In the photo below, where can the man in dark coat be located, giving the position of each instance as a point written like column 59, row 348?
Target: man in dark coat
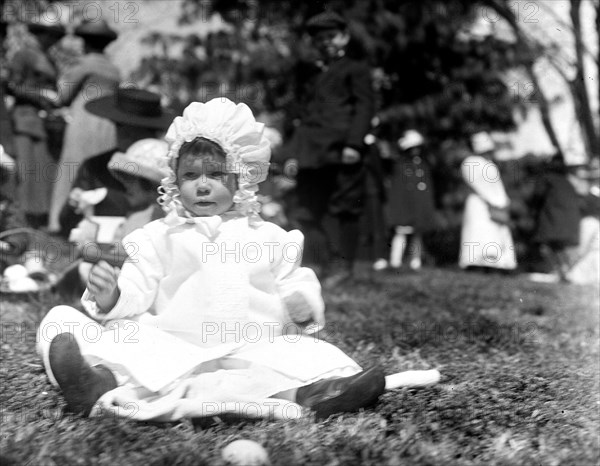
column 335, row 98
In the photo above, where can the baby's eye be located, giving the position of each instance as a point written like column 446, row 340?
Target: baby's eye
column 217, row 174
column 190, row 175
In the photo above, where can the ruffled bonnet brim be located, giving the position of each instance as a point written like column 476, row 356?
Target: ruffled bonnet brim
column 234, row 128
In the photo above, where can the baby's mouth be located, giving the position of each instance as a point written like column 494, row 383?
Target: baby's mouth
column 204, row 203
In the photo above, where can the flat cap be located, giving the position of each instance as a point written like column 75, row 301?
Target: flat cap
column 325, row 21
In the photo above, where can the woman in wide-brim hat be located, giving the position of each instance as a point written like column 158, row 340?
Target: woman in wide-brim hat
column 92, row 76
column 138, row 115
column 32, row 81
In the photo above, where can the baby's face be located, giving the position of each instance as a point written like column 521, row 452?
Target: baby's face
column 205, row 187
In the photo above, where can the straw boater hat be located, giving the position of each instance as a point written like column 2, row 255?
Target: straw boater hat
column 242, row 138
column 96, row 31
column 146, row 158
column 134, row 107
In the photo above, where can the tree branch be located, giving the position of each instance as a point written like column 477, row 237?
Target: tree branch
column 564, row 24
column 592, row 140
column 597, row 8
column 503, row 10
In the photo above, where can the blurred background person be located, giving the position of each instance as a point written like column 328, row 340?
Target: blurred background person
column 11, row 216
column 138, row 114
column 557, row 208
column 6, row 131
column 140, row 169
column 335, row 100
column 32, row 82
column 585, row 263
column 93, row 75
column 410, row 207
column 374, row 224
column 486, row 240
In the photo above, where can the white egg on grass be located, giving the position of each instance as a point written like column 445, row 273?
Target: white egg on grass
column 14, row 272
column 245, row 453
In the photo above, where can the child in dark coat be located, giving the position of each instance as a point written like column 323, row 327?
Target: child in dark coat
column 558, row 216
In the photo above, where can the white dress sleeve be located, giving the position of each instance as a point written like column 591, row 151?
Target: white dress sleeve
column 298, row 286
column 138, row 280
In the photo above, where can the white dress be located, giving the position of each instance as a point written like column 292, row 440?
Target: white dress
column 93, row 76
column 484, row 243
column 203, row 322
column 586, row 270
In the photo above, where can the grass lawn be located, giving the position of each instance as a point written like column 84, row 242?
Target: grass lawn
column 520, row 384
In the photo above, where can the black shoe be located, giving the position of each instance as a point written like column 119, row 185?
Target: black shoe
column 81, row 384
column 345, row 394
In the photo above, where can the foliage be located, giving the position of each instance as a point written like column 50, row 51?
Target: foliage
column 431, row 74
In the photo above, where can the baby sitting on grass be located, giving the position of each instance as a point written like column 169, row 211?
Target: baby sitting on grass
column 213, row 312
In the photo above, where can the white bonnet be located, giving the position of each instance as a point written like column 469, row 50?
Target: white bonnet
column 482, row 142
column 234, row 128
column 411, row 138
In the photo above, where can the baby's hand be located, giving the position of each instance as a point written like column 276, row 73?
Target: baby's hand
column 298, row 308
column 102, row 283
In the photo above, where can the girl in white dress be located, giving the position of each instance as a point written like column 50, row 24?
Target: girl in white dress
column 212, row 312
column 486, row 240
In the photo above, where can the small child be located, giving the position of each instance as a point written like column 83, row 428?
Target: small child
column 556, row 203
column 212, row 308
column 140, row 169
column 411, row 208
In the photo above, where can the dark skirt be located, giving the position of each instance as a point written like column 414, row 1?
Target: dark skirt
column 36, row 168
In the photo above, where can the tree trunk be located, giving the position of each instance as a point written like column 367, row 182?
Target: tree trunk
column 597, row 4
column 544, row 107
column 582, row 100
